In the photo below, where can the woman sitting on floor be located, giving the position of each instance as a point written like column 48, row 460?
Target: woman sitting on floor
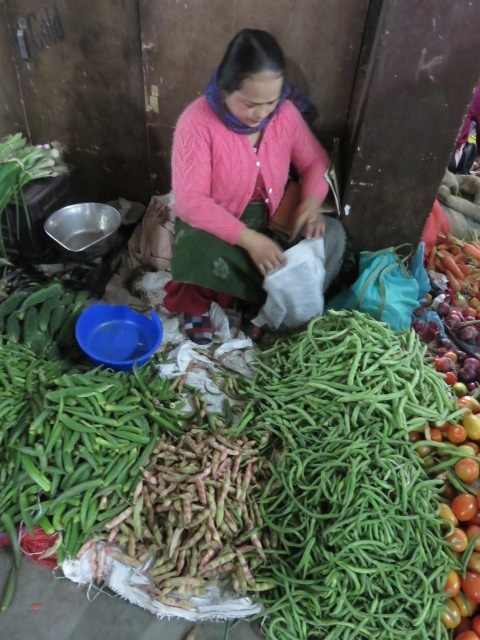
column 232, row 152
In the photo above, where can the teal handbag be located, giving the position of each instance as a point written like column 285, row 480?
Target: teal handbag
column 384, row 289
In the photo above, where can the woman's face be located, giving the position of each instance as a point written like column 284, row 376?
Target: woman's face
column 257, row 97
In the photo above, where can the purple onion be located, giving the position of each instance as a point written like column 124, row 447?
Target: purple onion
column 441, row 351
column 452, row 322
column 472, row 363
column 473, row 386
column 461, row 355
column 469, row 334
column 418, row 325
column 443, row 308
column 465, row 374
column 445, row 343
column 470, row 319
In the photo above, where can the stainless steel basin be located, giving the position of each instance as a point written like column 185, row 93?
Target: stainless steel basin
column 88, row 228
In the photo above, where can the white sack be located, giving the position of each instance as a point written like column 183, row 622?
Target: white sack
column 295, row 292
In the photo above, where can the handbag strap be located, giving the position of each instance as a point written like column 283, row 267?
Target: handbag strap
column 371, row 277
column 402, row 261
column 394, row 251
column 379, row 274
column 383, row 292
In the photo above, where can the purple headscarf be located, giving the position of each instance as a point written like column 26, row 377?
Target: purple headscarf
column 215, row 100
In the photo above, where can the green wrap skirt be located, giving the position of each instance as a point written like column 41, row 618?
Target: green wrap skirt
column 201, row 258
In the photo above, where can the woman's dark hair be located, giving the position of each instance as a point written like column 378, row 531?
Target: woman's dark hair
column 249, row 52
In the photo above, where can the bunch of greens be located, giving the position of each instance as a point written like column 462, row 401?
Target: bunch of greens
column 20, row 163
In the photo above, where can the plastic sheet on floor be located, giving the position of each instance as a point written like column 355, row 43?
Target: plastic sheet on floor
column 218, row 603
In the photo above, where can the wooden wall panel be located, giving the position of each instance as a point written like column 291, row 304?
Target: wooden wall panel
column 183, row 42
column 85, row 88
column 412, row 94
column 12, row 118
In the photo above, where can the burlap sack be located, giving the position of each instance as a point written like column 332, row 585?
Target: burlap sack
column 151, row 243
column 461, row 193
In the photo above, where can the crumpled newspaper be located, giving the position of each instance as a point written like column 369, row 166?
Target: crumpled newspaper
column 198, row 368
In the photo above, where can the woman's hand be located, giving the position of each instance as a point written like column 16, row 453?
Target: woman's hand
column 310, row 218
column 266, row 255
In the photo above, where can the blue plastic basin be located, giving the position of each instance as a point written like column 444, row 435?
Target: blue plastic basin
column 118, row 337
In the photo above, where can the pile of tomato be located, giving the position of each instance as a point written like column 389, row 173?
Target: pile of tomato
column 460, row 510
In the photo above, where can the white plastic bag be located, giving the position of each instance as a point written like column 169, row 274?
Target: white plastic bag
column 295, row 292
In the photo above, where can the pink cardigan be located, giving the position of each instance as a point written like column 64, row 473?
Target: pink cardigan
column 214, row 170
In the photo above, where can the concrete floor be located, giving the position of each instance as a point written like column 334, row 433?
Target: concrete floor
column 49, row 608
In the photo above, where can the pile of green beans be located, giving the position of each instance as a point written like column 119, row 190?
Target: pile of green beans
column 72, row 443
column 360, row 549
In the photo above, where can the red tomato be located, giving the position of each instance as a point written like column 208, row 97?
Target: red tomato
column 415, row 436
column 429, row 461
column 475, row 519
column 472, row 403
column 474, row 562
column 466, row 606
column 436, row 434
column 472, row 531
column 450, row 377
column 466, row 449
column 442, row 364
column 450, row 614
column 471, row 585
column 451, row 355
column 456, row 433
column 447, row 514
column 471, row 423
column 423, row 450
column 442, row 427
column 467, row 469
column 464, row 506
column 476, row 624
column 457, row 540
column 467, row 635
column 472, row 445
column 460, row 389
column 452, row 585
